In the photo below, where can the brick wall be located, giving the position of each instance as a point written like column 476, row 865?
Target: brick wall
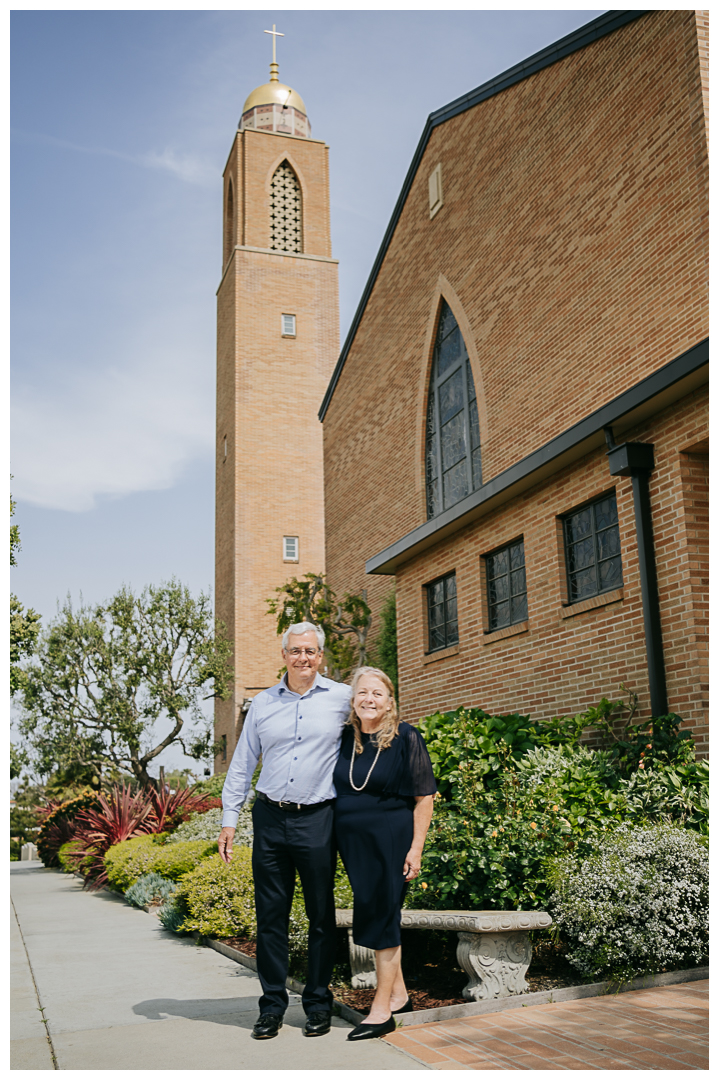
column 572, row 248
column 566, row 658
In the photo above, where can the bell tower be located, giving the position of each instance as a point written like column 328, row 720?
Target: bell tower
column 277, row 343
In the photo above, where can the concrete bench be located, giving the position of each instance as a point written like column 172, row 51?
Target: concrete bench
column 493, row 949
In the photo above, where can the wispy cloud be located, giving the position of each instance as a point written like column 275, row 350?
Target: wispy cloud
column 187, row 167
column 117, row 431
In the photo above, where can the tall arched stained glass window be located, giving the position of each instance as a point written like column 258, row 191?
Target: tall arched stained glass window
column 452, row 439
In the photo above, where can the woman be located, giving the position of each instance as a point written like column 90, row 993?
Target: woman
column 385, row 787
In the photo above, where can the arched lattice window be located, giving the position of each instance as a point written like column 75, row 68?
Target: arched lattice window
column 285, row 210
column 452, row 439
column 229, row 222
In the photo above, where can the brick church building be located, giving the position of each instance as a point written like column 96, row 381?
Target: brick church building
column 516, row 431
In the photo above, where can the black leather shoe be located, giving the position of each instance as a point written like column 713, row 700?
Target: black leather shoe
column 372, row 1031
column 407, row 1007
column 267, row 1026
column 317, row 1023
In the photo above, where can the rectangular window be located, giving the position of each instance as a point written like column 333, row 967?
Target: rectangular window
column 506, row 586
column 291, row 548
column 287, row 323
column 592, row 549
column 442, row 613
column 223, row 752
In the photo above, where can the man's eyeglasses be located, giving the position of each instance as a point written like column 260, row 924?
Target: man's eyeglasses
column 300, row 652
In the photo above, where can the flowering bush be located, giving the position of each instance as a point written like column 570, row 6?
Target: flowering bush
column 150, row 889
column 207, row 827
column 131, row 859
column 636, row 904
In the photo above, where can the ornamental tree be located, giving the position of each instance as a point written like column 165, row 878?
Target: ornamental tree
column 346, row 622
column 106, row 675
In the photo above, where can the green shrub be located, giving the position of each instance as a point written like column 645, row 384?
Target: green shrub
column 69, row 865
column 150, row 889
column 212, row 786
column 635, row 905
column 219, row 897
column 129, row 860
column 679, row 794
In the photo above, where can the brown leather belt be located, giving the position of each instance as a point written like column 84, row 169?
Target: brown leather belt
column 292, row 807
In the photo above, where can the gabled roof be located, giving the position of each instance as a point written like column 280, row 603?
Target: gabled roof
column 585, row 35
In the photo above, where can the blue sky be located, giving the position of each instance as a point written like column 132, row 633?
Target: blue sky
column 121, row 126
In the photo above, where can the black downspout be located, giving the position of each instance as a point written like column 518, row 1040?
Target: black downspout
column 637, row 461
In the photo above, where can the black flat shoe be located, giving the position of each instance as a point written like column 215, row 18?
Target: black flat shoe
column 372, row 1031
column 407, row 1007
column 267, row 1026
column 317, row 1023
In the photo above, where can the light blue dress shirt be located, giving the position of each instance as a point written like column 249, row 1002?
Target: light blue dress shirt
column 299, row 739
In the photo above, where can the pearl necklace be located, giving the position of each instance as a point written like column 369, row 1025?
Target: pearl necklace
column 352, row 763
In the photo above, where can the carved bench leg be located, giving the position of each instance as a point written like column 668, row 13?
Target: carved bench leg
column 495, row 964
column 362, row 965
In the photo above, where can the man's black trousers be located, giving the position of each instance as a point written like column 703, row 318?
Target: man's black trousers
column 284, row 842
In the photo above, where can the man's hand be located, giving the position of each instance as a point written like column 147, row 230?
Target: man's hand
column 225, row 843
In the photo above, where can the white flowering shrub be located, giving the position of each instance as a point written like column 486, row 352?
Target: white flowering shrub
column 637, row 905
column 207, row 827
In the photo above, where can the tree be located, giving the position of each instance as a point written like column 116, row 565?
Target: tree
column 24, row 625
column 106, row 674
column 312, row 600
column 385, row 651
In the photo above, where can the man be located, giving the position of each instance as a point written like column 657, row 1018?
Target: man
column 296, row 726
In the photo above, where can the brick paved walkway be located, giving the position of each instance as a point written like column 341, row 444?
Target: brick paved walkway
column 662, row 1028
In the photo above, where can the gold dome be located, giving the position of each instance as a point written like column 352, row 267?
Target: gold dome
column 275, row 93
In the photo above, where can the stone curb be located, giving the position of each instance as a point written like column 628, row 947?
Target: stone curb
column 480, row 1008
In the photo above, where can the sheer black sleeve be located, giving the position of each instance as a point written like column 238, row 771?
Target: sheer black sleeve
column 416, row 777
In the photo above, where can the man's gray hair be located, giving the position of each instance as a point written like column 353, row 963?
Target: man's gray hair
column 305, row 628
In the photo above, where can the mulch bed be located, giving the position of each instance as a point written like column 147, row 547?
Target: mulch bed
column 431, row 970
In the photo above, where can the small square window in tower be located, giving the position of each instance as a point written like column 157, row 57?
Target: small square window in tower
column 442, row 613
column 287, row 325
column 291, row 548
column 506, row 586
column 592, row 549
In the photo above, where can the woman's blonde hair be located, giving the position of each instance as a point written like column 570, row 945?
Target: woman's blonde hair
column 389, row 727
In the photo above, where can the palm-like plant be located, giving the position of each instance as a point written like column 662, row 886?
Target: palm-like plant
column 171, row 808
column 118, row 816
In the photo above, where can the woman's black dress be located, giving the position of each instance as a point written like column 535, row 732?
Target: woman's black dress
column 374, row 828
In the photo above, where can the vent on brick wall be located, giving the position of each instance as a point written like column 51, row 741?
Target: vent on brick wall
column 285, row 210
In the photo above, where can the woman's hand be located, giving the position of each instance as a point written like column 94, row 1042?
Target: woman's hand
column 411, row 869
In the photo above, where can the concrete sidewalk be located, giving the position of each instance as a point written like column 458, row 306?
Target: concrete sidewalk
column 117, row 991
